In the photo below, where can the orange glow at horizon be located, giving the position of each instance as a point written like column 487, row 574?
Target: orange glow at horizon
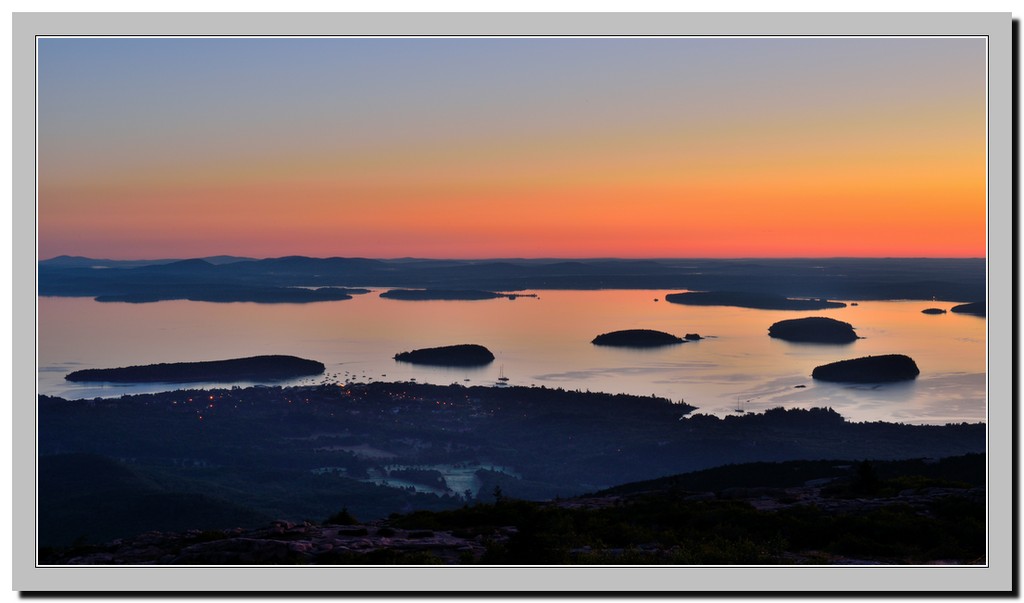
column 780, row 154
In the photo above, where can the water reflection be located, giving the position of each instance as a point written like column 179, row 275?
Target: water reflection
column 542, row 341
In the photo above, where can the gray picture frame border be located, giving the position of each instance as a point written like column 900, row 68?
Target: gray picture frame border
column 994, row 577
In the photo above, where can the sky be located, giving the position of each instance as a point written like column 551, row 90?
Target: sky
column 511, row 147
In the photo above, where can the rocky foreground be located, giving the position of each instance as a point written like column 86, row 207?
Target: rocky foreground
column 380, row 543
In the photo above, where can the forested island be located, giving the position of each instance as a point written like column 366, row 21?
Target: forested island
column 467, row 354
column 813, row 329
column 869, row 369
column 739, row 299
column 254, row 368
column 637, row 338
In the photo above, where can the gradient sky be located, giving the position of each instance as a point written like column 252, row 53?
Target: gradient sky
column 490, row 147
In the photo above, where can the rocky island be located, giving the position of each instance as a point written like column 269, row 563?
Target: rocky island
column 453, row 355
column 255, row 368
column 869, row 369
column 637, row 338
column 814, row 329
column 933, row 311
column 759, row 301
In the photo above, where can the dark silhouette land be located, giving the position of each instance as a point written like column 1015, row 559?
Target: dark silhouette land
column 453, row 355
column 255, row 368
column 245, row 279
column 974, row 308
column 814, row 329
column 406, row 473
column 869, row 369
column 637, row 338
column 741, row 299
column 825, row 512
column 439, row 294
column 240, row 457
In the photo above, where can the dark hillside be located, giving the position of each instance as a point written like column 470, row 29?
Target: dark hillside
column 863, row 513
column 88, row 498
column 304, row 453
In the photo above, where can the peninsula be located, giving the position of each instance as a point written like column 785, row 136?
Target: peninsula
column 973, row 308
column 255, row 368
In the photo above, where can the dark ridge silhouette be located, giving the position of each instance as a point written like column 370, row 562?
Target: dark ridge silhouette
column 973, row 308
column 193, row 266
column 467, row 354
column 760, row 301
column 255, row 368
column 92, row 498
column 815, row 278
column 968, row 470
column 814, row 329
column 439, row 294
column 869, row 369
column 77, row 261
column 693, row 337
column 637, row 338
column 227, row 294
column 933, row 311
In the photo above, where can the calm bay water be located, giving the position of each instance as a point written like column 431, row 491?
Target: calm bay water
column 541, row 341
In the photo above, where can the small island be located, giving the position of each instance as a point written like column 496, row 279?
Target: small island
column 814, row 329
column 637, row 338
column 453, row 355
column 869, row 369
column 973, row 308
column 933, row 311
column 440, row 294
column 759, row 301
column 255, row 368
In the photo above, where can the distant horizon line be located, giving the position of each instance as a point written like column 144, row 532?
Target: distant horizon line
column 516, row 258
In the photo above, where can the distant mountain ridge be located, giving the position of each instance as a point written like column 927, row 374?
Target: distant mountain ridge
column 85, row 262
column 836, row 278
